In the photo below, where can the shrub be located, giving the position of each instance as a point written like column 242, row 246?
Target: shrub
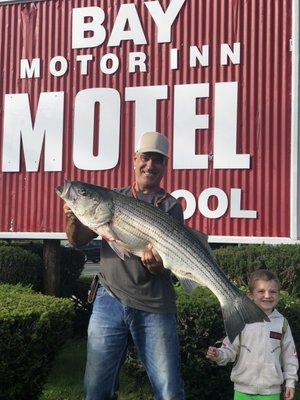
column 32, row 327
column 200, row 325
column 19, row 265
column 289, row 306
column 82, row 307
column 71, row 265
column 239, row 262
column 35, row 247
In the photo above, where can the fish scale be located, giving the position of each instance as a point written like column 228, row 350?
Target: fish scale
column 133, row 224
column 155, row 238
column 152, row 219
column 145, row 211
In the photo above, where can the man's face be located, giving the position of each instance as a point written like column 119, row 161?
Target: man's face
column 265, row 295
column 149, row 169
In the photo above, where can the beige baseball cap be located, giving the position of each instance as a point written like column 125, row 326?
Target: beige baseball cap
column 153, row 142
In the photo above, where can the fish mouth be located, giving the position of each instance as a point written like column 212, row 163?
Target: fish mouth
column 62, row 190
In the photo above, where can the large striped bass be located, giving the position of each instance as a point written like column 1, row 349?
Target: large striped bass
column 130, row 226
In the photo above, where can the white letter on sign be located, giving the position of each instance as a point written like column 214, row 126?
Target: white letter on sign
column 204, row 199
column 58, row 66
column 145, row 98
column 137, row 59
column 79, row 27
column 234, row 55
column 127, row 14
column 30, row 71
column 189, row 199
column 201, row 56
column 111, row 59
column 225, row 134
column 164, row 20
column 185, row 124
column 84, row 60
column 235, row 209
column 48, row 124
column 109, row 129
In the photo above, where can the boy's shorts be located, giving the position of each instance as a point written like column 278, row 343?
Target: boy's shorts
column 245, row 396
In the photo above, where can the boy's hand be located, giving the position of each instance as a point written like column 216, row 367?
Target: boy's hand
column 212, row 353
column 289, row 393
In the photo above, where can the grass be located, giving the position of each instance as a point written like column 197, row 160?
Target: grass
column 66, row 377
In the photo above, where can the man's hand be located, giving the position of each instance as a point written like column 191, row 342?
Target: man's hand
column 152, row 260
column 77, row 233
column 289, row 393
column 68, row 212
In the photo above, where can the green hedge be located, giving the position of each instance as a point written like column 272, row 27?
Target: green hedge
column 83, row 309
column 239, row 261
column 22, row 262
column 71, row 266
column 32, row 327
column 200, row 325
column 19, row 265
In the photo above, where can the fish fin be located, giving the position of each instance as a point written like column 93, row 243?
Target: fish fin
column 119, row 248
column 106, row 232
column 187, row 284
column 238, row 313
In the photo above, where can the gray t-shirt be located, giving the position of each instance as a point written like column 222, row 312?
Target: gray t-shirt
column 129, row 281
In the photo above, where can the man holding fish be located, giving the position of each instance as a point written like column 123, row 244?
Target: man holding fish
column 132, row 227
column 136, row 296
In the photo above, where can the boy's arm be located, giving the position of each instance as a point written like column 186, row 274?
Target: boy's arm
column 227, row 352
column 289, row 393
column 289, row 359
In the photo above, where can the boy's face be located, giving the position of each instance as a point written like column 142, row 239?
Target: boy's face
column 265, row 295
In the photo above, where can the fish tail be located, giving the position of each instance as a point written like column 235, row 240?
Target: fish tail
column 238, row 312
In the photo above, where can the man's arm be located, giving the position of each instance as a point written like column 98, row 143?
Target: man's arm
column 77, row 233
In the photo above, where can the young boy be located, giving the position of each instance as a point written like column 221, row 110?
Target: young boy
column 264, row 353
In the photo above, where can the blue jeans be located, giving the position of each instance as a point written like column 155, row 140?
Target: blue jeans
column 154, row 335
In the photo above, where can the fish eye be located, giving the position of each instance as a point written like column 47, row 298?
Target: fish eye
column 82, row 192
